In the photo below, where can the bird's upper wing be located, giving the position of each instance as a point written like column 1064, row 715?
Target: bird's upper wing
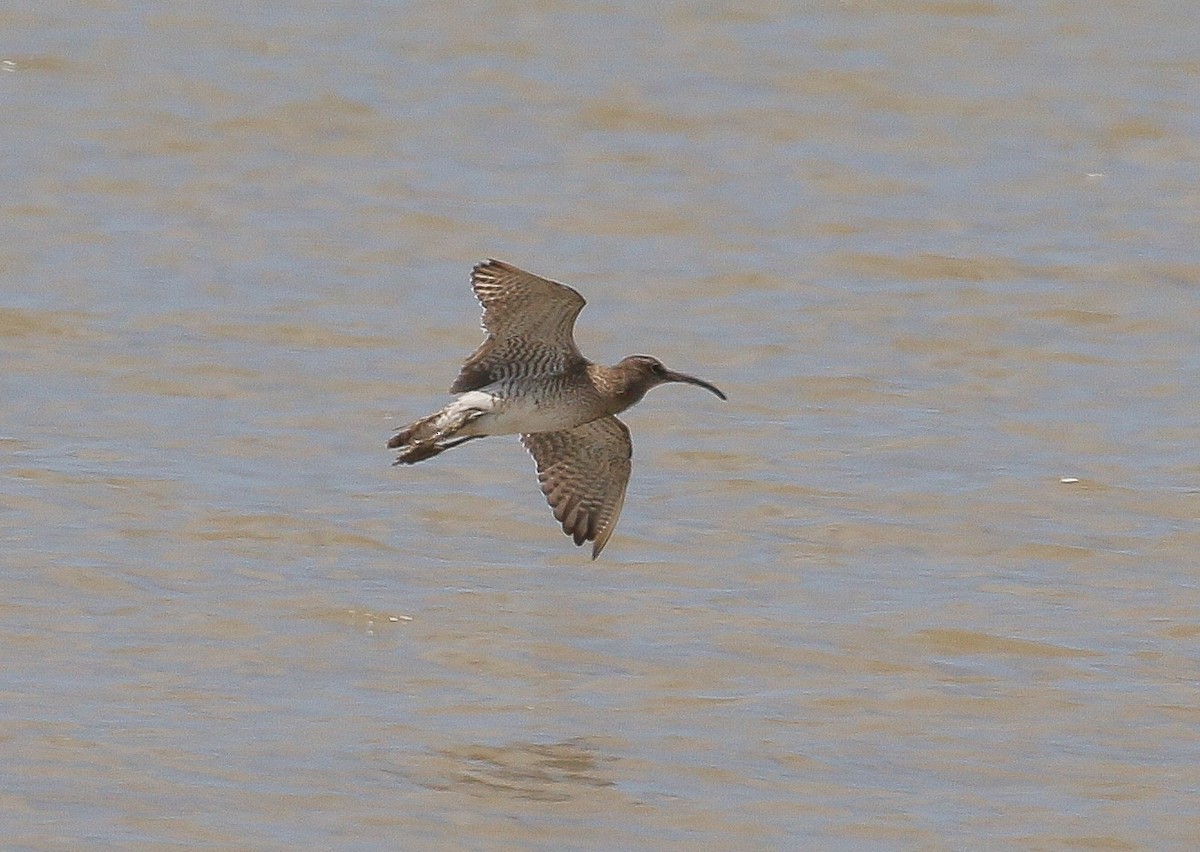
column 530, row 323
column 583, row 473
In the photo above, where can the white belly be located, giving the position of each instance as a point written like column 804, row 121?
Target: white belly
column 503, row 414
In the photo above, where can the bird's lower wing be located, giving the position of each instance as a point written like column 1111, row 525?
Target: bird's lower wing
column 583, row 473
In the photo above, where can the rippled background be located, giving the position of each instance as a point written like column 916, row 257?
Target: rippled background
column 928, row 579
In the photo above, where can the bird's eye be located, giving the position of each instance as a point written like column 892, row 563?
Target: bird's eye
column 658, row 368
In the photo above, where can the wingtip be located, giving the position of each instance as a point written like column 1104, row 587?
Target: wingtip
column 600, row 542
column 491, row 261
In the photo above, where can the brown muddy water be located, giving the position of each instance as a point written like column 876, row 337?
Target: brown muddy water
column 928, row 580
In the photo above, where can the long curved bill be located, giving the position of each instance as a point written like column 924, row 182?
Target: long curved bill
column 672, row 376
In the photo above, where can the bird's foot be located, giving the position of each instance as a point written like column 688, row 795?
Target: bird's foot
column 414, row 453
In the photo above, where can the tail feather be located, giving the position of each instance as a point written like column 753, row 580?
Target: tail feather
column 417, row 432
column 425, row 438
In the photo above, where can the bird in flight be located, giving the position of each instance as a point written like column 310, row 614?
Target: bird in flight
column 529, row 378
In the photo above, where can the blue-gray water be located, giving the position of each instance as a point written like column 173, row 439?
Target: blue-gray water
column 928, row 580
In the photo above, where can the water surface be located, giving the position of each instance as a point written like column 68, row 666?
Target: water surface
column 927, row 580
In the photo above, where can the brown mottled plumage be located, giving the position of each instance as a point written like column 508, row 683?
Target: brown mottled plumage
column 530, row 324
column 529, row 377
column 583, row 473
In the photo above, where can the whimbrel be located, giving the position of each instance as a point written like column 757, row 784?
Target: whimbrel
column 529, row 378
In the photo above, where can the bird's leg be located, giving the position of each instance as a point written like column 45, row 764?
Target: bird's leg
column 419, row 452
column 459, row 441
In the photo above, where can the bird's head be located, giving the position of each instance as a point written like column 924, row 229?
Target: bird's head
column 640, row 373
